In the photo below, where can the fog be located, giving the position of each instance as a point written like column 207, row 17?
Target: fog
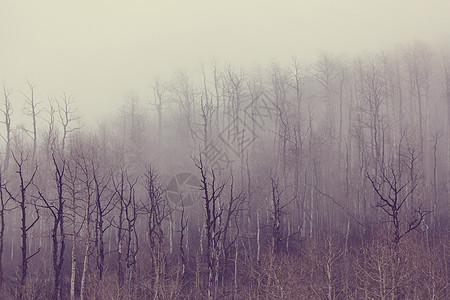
column 224, row 150
column 98, row 50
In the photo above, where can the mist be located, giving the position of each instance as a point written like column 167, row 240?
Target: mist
column 97, row 51
column 235, row 150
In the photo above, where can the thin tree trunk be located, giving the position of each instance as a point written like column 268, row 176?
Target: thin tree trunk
column 86, row 242
column 2, row 230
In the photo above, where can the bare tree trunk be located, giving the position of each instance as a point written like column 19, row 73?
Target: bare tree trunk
column 258, row 237
column 120, row 191
column 3, row 204
column 60, row 219
column 71, row 183
column 67, row 116
column 57, row 211
column 87, row 221
column 159, row 101
column 171, row 221
column 73, row 259
column 236, row 253
column 22, row 202
column 447, row 93
column 183, row 225
column 7, row 111
column 32, row 111
column 86, row 255
column 436, row 138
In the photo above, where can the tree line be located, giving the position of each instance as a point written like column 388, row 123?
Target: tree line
column 323, row 180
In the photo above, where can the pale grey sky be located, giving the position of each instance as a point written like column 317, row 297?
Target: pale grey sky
column 97, row 50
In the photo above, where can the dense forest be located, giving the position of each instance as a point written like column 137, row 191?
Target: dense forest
column 307, row 180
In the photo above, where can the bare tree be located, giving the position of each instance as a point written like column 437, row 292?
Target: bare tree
column 211, row 193
column 220, row 216
column 127, row 238
column 207, row 110
column 183, row 225
column 83, row 158
column 326, row 73
column 72, row 182
column 21, row 198
column 157, row 210
column 447, row 95
column 32, row 110
column 371, row 93
column 418, row 60
column 185, row 96
column 51, row 134
column 390, row 187
column 131, row 235
column 56, row 208
column 276, row 218
column 7, row 111
column 159, row 92
column 67, row 116
column 3, row 209
column 103, row 207
column 277, row 211
column 120, row 191
column 230, row 231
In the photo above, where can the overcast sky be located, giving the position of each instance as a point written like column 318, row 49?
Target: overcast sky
column 97, row 50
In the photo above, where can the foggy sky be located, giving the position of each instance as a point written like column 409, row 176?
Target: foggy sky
column 97, row 50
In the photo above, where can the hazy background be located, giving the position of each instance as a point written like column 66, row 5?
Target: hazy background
column 97, row 50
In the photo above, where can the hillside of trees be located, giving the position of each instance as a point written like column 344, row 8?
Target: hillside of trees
column 321, row 180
